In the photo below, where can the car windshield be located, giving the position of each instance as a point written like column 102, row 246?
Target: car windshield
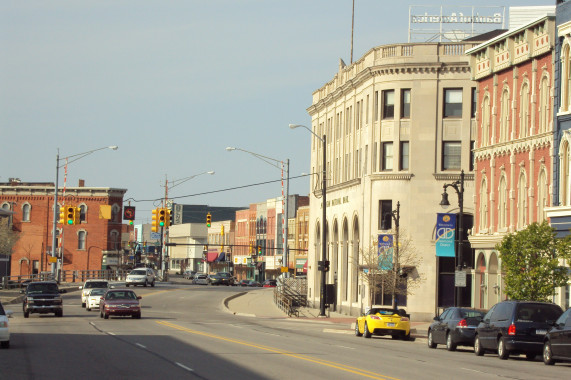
column 95, row 284
column 42, row 288
column 124, row 295
column 225, row 275
column 537, row 312
column 139, row 272
column 97, row 292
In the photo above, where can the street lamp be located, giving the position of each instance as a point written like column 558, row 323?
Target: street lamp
column 459, row 259
column 277, row 164
column 323, row 206
column 74, row 157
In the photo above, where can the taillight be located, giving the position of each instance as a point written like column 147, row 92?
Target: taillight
column 404, row 319
column 511, row 329
column 375, row 317
column 462, row 323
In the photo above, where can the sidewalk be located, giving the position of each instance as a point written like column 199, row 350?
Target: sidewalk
column 260, row 303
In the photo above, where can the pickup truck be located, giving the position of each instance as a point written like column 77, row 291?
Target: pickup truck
column 42, row 297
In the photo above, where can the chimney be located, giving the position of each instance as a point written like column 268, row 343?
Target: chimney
column 81, row 183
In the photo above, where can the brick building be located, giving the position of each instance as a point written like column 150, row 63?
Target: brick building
column 84, row 246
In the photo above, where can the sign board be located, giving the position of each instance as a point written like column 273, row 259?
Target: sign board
column 52, row 259
column 460, row 279
column 155, row 236
column 445, row 235
column 285, row 269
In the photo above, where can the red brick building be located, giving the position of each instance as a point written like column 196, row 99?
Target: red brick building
column 84, row 246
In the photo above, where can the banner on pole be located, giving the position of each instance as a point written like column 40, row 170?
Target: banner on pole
column 385, row 252
column 445, row 235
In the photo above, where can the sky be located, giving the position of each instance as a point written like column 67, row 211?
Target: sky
column 173, row 83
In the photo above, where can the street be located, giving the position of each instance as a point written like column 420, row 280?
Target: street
column 186, row 333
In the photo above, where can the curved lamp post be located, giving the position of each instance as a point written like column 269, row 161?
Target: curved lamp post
column 324, row 209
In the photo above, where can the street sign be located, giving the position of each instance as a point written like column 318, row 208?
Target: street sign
column 155, row 235
column 460, row 279
column 52, row 259
column 285, row 269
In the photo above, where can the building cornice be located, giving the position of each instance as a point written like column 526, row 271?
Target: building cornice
column 543, row 140
column 485, row 241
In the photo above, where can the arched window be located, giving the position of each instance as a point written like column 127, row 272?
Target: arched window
column 26, row 208
column 485, row 121
column 564, row 158
column 544, row 115
column 504, row 116
column 524, row 111
column 115, row 213
column 484, row 204
column 521, row 201
column 81, row 235
column 541, row 195
column 502, row 203
column 565, row 78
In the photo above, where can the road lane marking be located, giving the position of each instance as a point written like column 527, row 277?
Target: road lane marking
column 140, row 345
column 323, row 362
column 349, row 348
column 183, row 366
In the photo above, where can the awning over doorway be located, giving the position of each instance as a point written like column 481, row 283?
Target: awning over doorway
column 221, row 257
column 212, row 256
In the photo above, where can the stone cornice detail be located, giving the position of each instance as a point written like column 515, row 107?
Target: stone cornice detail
column 485, row 241
column 453, row 176
column 391, row 176
column 507, row 148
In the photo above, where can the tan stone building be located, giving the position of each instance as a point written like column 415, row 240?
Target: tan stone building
column 399, row 124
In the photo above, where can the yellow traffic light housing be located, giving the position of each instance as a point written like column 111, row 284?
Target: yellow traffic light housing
column 162, row 217
column 259, row 250
column 62, row 215
column 77, row 215
column 70, row 215
column 208, row 220
column 168, row 218
column 155, row 220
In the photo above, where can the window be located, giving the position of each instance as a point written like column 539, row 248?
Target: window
column 376, row 105
column 504, row 115
column 565, row 79
column 524, row 113
column 484, row 204
column 405, row 104
column 544, row 105
column 453, row 102
column 565, row 157
column 385, row 214
column 472, row 155
column 502, row 203
column 474, row 103
column 451, row 155
column 521, row 201
column 541, row 196
column 485, row 121
column 387, row 163
column 82, row 213
column 81, row 240
column 403, row 158
column 26, row 212
column 388, row 104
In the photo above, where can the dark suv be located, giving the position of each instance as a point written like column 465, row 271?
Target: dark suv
column 515, row 327
column 42, row 297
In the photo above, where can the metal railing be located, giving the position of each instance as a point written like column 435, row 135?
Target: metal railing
column 290, row 295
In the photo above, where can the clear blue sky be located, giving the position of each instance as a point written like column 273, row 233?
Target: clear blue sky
column 173, row 83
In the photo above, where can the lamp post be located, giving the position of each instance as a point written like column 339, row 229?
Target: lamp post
column 276, row 163
column 54, row 229
column 459, row 259
column 324, row 216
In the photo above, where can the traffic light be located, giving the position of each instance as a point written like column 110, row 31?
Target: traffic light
column 208, row 220
column 326, row 266
column 250, row 250
column 62, row 215
column 70, row 215
column 162, row 217
column 259, row 250
column 169, row 217
column 155, row 220
column 129, row 214
column 320, row 265
column 77, row 215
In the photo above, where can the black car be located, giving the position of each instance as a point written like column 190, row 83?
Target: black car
column 515, row 327
column 42, row 297
column 454, row 327
column 557, row 343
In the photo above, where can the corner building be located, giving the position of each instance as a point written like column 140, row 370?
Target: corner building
column 399, row 124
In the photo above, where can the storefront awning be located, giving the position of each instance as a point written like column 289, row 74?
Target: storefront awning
column 212, row 256
column 221, row 257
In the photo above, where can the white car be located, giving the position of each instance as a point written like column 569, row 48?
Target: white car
column 90, row 284
column 4, row 330
column 141, row 276
column 201, row 279
column 93, row 298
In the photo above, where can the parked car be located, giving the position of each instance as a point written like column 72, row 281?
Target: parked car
column 515, row 327
column 215, row 279
column 454, row 327
column 141, row 276
column 4, row 327
column 244, row 282
column 384, row 321
column 557, row 342
column 189, row 274
column 227, row 278
column 93, row 298
column 42, row 297
column 254, row 284
column 270, row 284
column 90, row 284
column 120, row 302
column 200, row 279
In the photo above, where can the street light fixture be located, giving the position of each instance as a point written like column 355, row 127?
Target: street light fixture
column 458, row 186
column 74, row 157
column 324, row 216
column 277, row 164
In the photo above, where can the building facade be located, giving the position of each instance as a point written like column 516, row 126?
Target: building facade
column 398, row 124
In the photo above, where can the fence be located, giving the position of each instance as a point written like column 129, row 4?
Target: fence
column 290, row 294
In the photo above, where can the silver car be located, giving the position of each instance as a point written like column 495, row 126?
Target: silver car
column 141, row 276
column 201, row 279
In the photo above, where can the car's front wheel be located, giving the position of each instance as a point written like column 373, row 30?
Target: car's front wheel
column 450, row 345
column 431, row 343
column 547, row 355
column 503, row 352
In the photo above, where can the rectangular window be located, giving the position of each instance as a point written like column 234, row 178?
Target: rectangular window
column 452, row 102
column 376, row 105
column 388, row 104
column 403, row 159
column 405, row 104
column 474, row 103
column 451, row 153
column 385, row 212
column 387, row 163
column 472, row 157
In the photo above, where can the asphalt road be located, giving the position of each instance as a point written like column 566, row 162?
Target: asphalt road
column 186, row 333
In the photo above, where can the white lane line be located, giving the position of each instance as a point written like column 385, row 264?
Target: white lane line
column 185, row 367
column 110, row 333
column 140, row 345
column 349, row 348
column 336, row 331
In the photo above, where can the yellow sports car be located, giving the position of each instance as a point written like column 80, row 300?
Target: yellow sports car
column 384, row 321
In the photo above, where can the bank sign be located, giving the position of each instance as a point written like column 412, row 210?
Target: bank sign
column 445, row 234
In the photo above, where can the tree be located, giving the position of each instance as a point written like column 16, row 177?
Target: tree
column 402, row 281
column 531, row 262
column 8, row 238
